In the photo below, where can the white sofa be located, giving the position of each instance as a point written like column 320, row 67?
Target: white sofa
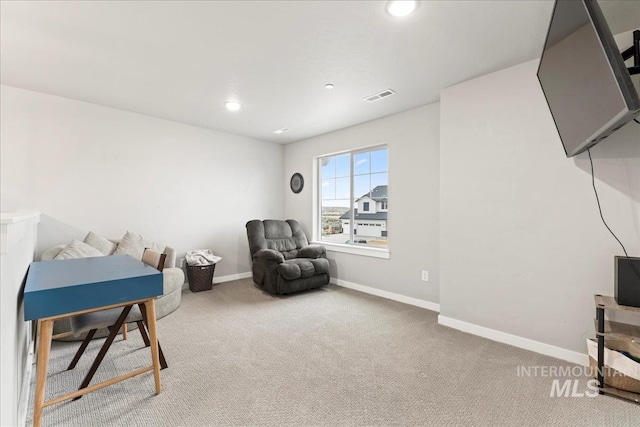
column 172, row 279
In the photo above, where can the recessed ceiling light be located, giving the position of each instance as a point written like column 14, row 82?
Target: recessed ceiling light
column 233, row 105
column 329, row 86
column 399, row 8
column 282, row 130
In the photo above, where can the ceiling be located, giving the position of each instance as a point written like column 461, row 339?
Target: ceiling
column 182, row 60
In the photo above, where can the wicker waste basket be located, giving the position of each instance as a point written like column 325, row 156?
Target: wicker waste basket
column 200, row 277
column 616, row 364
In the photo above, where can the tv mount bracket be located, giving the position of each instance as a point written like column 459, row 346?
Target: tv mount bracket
column 634, row 51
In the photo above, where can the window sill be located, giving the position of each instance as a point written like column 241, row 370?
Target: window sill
column 355, row 250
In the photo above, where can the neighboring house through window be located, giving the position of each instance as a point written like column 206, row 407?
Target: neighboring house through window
column 353, row 192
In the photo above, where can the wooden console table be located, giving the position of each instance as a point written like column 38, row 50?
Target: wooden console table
column 615, row 330
column 66, row 288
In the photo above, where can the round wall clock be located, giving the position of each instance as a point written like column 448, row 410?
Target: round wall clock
column 296, row 183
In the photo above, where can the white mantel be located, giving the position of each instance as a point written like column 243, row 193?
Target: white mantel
column 8, row 219
column 18, row 236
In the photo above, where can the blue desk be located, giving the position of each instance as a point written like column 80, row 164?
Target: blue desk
column 65, row 288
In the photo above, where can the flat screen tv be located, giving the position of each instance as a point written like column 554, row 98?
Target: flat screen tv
column 583, row 76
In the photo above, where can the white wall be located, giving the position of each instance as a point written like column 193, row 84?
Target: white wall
column 412, row 137
column 523, row 248
column 18, row 235
column 87, row 167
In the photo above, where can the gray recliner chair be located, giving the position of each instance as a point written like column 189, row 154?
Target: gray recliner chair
column 283, row 261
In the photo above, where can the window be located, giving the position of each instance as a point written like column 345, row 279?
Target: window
column 352, row 195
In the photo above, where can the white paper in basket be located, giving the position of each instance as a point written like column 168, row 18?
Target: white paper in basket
column 615, row 360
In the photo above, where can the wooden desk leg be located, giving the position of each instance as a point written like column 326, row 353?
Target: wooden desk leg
column 45, row 330
column 151, row 319
column 143, row 326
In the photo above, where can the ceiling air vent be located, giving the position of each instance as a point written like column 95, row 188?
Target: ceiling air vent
column 380, row 95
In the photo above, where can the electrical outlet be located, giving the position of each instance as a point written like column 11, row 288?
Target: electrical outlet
column 425, row 276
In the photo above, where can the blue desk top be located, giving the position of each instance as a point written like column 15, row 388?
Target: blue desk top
column 66, row 286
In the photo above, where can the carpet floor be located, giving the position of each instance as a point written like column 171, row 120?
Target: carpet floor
column 328, row 357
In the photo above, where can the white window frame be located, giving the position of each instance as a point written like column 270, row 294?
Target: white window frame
column 384, row 253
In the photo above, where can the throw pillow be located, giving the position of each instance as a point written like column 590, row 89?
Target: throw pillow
column 100, row 243
column 78, row 249
column 133, row 244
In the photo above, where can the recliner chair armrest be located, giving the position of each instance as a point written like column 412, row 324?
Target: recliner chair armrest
column 313, row 251
column 268, row 255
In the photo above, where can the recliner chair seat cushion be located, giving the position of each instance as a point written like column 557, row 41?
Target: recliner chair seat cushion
column 301, row 268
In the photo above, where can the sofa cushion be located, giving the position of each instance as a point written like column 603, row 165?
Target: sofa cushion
column 100, row 243
column 134, row 244
column 172, row 279
column 78, row 249
column 301, row 268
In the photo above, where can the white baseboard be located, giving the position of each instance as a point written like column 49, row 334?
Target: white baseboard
column 516, row 341
column 223, row 279
column 388, row 295
column 23, row 400
column 231, row 277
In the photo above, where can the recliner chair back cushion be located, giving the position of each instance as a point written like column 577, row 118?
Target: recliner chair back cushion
column 285, row 237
